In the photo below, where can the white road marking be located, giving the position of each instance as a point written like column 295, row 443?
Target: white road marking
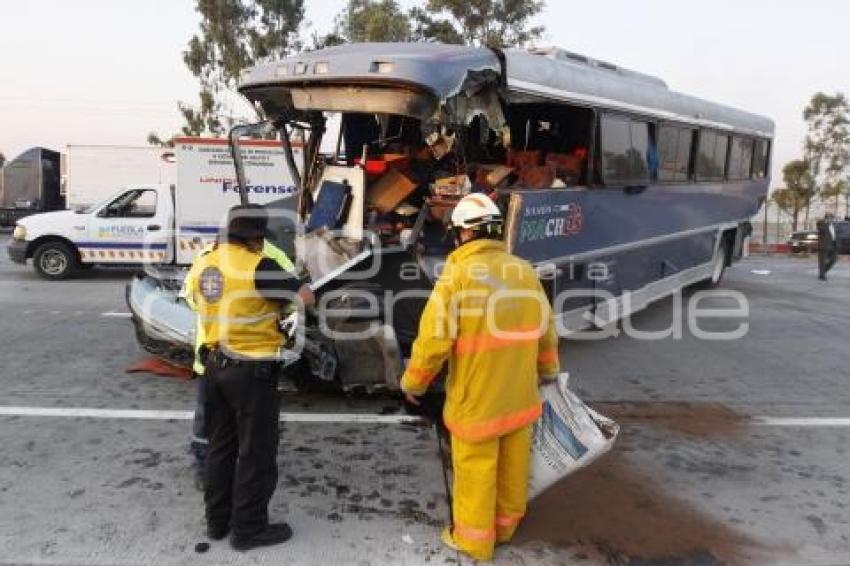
column 117, row 314
column 96, row 413
column 802, row 421
column 340, row 418
column 157, row 415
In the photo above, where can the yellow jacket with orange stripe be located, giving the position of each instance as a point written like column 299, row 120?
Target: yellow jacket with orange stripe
column 489, row 317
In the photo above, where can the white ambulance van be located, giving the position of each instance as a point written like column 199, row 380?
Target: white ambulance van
column 154, row 223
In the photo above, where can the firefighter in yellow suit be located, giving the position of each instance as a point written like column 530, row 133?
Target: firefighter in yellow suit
column 489, row 317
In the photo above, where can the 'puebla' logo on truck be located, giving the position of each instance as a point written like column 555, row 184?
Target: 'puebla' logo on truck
column 120, row 230
column 230, row 186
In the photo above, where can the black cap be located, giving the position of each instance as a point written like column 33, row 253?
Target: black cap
column 247, row 221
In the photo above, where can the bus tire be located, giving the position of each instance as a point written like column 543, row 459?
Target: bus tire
column 55, row 260
column 718, row 265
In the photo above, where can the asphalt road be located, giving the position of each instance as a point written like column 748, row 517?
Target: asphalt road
column 730, row 451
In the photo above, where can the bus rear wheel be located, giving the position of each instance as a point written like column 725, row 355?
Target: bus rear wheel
column 718, row 267
column 55, row 261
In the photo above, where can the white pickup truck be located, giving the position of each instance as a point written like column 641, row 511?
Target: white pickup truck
column 151, row 223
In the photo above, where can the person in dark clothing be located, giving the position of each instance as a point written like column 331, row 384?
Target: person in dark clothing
column 827, row 248
column 200, row 422
column 239, row 294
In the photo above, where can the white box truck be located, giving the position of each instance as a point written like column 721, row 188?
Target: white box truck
column 146, row 222
column 95, row 171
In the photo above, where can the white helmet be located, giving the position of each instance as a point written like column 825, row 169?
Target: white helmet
column 475, row 210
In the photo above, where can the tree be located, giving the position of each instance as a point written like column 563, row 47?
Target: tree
column 491, row 23
column 426, row 27
column 835, row 188
column 798, row 191
column 234, row 35
column 373, row 21
column 2, row 159
column 827, row 143
column 790, row 202
column 154, row 139
column 495, row 23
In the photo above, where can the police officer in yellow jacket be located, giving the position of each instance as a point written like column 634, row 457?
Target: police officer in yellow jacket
column 200, row 436
column 239, row 295
column 489, row 317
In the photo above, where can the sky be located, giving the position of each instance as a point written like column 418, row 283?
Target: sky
column 110, row 71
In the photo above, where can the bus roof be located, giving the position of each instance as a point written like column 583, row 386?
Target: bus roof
column 444, row 70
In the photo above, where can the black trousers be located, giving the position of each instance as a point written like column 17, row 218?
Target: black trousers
column 827, row 249
column 826, row 260
column 200, row 426
column 244, row 413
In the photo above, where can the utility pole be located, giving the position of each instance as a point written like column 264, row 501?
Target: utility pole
column 846, row 191
column 764, row 231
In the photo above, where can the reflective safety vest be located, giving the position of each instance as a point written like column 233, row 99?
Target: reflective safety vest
column 269, row 250
column 489, row 317
column 279, row 256
column 233, row 315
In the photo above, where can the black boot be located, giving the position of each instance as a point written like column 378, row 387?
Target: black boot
column 275, row 533
column 217, row 532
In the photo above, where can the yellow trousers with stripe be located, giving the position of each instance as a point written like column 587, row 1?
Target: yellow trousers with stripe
column 490, row 490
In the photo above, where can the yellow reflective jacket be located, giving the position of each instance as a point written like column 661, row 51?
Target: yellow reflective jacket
column 269, row 251
column 232, row 314
column 488, row 315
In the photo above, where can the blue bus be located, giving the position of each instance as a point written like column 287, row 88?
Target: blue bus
column 619, row 190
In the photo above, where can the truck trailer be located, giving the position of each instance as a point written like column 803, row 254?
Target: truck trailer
column 95, row 171
column 31, row 183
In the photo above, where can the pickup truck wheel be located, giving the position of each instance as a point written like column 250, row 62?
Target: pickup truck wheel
column 55, row 261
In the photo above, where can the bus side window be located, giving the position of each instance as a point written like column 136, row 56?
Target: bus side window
column 643, row 155
column 615, row 141
column 674, row 148
column 740, row 158
column 624, row 145
column 711, row 156
column 761, row 158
